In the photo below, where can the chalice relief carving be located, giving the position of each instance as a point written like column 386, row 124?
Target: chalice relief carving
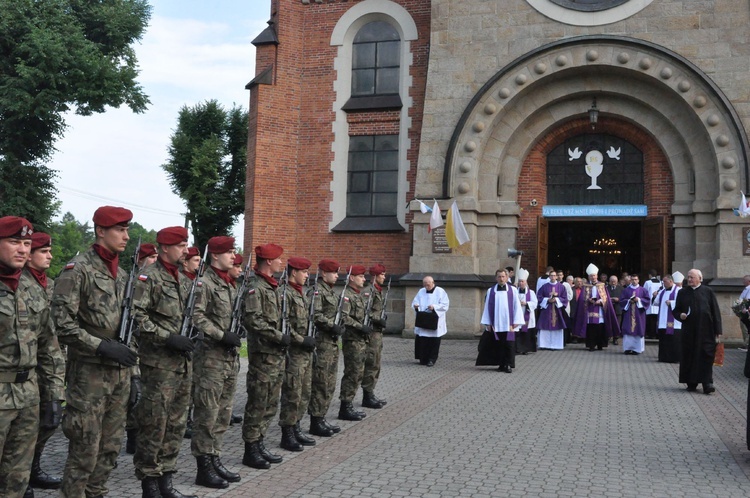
column 594, row 163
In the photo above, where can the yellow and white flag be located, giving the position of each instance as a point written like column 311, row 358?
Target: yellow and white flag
column 455, row 231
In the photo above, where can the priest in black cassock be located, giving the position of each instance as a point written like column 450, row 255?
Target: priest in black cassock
column 696, row 307
column 502, row 316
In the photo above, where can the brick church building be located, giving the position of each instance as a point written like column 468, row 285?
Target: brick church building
column 576, row 131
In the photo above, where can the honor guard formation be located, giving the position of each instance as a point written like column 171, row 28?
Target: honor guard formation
column 155, row 353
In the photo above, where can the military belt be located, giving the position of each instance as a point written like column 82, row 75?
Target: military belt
column 17, row 377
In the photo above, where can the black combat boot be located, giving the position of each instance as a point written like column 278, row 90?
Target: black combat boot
column 335, row 428
column 368, row 401
column 167, row 490
column 207, row 475
column 346, row 412
column 236, row 419
column 150, row 487
column 288, row 441
column 130, row 444
column 379, row 400
column 40, row 479
column 253, row 458
column 189, row 427
column 270, row 457
column 318, row 427
column 224, row 472
column 301, row 438
column 29, row 492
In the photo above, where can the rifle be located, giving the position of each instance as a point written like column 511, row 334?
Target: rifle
column 127, row 319
column 235, row 326
column 187, row 327
column 311, row 312
column 385, row 300
column 368, row 308
column 284, row 309
column 337, row 320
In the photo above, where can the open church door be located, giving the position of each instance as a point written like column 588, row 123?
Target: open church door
column 542, row 253
column 654, row 245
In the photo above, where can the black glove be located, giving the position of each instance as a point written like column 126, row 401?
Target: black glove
column 117, row 351
column 366, row 330
column 180, row 343
column 286, row 340
column 231, row 339
column 380, row 322
column 50, row 414
column 338, row 329
column 135, row 391
column 309, row 342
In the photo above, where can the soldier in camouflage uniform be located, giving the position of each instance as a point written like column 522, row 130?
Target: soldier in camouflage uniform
column 86, row 308
column 189, row 266
column 31, row 363
column 166, row 364
column 35, row 274
column 216, row 365
column 375, row 344
column 355, row 343
column 325, row 368
column 267, row 345
column 295, row 389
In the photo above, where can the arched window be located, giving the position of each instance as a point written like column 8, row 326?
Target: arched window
column 376, row 60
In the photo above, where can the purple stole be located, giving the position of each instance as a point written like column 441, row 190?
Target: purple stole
column 491, row 305
column 670, row 316
column 526, row 312
column 593, row 309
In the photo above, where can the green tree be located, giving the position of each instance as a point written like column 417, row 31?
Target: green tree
column 206, row 167
column 136, row 230
column 57, row 56
column 69, row 237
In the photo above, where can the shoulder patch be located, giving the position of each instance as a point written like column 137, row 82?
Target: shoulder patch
column 251, row 291
column 142, row 277
column 346, row 299
column 70, row 265
column 199, row 284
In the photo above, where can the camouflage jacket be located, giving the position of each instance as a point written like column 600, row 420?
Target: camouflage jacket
column 326, row 305
column 213, row 314
column 376, row 307
column 28, row 343
column 158, row 304
column 263, row 317
column 87, row 305
column 353, row 315
column 298, row 313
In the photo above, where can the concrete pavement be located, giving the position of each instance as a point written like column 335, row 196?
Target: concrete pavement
column 564, row 423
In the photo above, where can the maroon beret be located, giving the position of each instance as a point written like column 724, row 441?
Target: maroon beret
column 377, row 269
column 328, row 265
column 171, row 236
column 358, row 269
column 16, row 227
column 299, row 263
column 220, row 244
column 146, row 250
column 193, row 252
column 238, row 259
column 268, row 251
column 109, row 216
column 39, row 240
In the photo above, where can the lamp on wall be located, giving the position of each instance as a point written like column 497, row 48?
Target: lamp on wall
column 593, row 114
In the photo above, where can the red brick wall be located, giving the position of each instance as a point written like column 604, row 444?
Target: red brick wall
column 658, row 182
column 289, row 161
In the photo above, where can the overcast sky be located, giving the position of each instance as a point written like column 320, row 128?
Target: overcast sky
column 193, row 51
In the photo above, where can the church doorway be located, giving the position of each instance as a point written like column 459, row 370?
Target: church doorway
column 613, row 245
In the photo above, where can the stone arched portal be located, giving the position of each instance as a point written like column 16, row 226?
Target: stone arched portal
column 665, row 95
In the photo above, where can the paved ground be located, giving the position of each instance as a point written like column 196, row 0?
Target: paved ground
column 565, row 423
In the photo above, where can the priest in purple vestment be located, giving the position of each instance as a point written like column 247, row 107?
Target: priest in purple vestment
column 635, row 301
column 552, row 298
column 502, row 316
column 595, row 318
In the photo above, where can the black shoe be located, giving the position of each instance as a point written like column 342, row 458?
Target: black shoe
column 346, row 412
column 318, row 427
column 379, row 400
column 288, row 441
column 430, row 363
column 270, row 457
column 150, row 488
column 253, row 458
column 591, row 349
column 40, row 479
column 708, row 388
column 132, row 435
column 368, row 401
column 188, row 430
column 167, row 490
column 508, row 370
column 207, row 475
column 29, row 492
column 335, row 428
column 599, row 348
column 692, row 387
column 300, row 437
column 614, row 342
column 236, row 419
column 224, row 472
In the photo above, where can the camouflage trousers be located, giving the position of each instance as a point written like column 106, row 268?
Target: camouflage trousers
column 324, row 372
column 372, row 362
column 354, row 368
column 264, row 375
column 18, row 430
column 215, row 381
column 295, row 389
column 42, row 438
column 161, row 416
column 96, row 403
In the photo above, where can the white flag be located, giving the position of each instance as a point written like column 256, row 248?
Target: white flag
column 424, row 207
column 436, row 219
